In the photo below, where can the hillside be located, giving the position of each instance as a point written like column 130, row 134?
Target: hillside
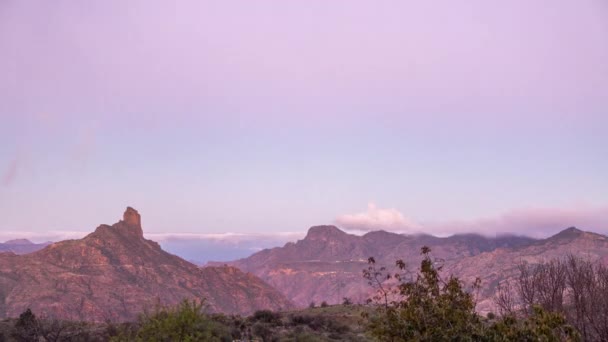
column 327, row 264
column 115, row 273
column 501, row 265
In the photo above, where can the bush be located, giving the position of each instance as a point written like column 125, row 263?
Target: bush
column 185, row 322
column 266, row 316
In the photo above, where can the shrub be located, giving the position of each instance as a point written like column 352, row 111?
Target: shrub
column 185, row 322
column 267, row 316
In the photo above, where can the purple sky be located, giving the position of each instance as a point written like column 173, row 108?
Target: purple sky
column 272, row 116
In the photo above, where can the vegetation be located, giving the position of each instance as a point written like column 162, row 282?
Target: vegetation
column 185, row 322
column 426, row 307
column 573, row 288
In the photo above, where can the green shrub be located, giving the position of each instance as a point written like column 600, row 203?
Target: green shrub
column 184, row 322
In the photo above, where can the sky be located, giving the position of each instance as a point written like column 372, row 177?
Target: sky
column 268, row 117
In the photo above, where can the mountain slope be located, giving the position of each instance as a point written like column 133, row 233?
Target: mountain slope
column 114, row 274
column 327, row 264
column 501, row 265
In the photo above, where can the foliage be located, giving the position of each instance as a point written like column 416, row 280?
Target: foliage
column 266, row 316
column 540, row 325
column 430, row 308
column 185, row 322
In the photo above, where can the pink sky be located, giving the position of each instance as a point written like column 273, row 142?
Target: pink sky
column 273, row 116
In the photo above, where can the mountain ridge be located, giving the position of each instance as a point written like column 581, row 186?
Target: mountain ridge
column 327, row 264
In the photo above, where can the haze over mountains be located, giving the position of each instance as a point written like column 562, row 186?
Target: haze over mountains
column 115, row 273
column 21, row 246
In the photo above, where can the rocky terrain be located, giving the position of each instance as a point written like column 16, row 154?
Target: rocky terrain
column 22, row 246
column 327, row 264
column 501, row 265
column 115, row 273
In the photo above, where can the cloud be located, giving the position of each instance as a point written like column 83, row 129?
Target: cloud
column 54, row 236
column 375, row 218
column 535, row 222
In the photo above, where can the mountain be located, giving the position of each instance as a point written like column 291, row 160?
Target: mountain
column 22, row 246
column 327, row 264
column 114, row 274
column 501, row 265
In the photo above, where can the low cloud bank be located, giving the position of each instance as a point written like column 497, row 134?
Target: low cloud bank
column 533, row 222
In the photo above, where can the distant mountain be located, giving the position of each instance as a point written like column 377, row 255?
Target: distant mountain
column 114, row 274
column 327, row 264
column 501, row 265
column 22, row 246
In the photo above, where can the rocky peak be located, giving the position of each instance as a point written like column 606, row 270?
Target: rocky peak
column 131, row 217
column 129, row 226
column 132, row 220
column 324, row 233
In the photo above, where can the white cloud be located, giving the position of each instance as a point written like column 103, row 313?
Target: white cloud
column 534, row 222
column 375, row 218
column 42, row 237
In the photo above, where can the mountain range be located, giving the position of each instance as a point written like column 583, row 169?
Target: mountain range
column 115, row 274
column 327, row 264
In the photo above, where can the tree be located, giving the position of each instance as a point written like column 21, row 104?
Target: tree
column 429, row 309
column 27, row 327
